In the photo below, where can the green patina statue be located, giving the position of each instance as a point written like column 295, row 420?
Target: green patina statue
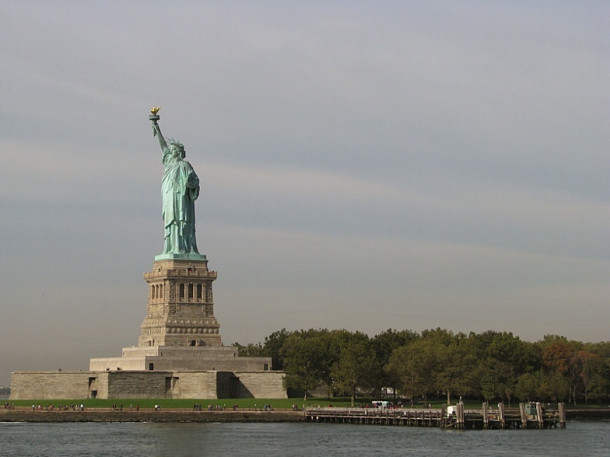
column 179, row 189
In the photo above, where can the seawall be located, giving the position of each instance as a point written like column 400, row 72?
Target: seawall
column 103, row 415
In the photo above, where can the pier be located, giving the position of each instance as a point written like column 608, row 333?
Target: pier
column 531, row 415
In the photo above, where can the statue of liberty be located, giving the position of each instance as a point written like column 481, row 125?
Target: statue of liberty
column 179, row 189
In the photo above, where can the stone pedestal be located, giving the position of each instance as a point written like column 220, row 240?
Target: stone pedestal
column 179, row 354
column 180, row 305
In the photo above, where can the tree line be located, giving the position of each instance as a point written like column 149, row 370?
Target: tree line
column 491, row 366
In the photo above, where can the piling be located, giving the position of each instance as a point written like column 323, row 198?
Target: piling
column 460, row 415
column 539, row 415
column 522, row 414
column 562, row 415
column 501, row 417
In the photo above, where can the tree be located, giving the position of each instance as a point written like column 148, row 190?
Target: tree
column 505, row 358
column 596, row 372
column 523, row 357
column 492, row 365
column 408, row 367
column 417, row 365
column 455, row 372
column 355, row 368
column 559, row 357
column 554, row 387
column 305, row 362
column 592, row 377
column 251, row 350
column 384, row 344
column 497, row 379
column 527, row 387
column 274, row 344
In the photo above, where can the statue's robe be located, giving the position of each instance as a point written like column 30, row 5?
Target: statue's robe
column 179, row 189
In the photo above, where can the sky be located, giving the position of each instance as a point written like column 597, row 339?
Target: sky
column 364, row 165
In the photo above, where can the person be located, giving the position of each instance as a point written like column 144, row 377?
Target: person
column 179, row 189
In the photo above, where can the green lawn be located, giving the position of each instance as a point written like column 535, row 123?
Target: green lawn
column 242, row 403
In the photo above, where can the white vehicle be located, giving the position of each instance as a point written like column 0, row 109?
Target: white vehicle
column 380, row 404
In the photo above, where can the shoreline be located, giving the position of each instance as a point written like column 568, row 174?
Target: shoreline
column 150, row 415
column 190, row 416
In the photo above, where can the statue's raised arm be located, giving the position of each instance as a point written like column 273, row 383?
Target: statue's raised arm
column 159, row 135
column 154, row 117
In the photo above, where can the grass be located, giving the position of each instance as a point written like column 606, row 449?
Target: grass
column 145, row 403
column 242, row 403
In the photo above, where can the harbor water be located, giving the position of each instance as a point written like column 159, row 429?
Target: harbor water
column 580, row 438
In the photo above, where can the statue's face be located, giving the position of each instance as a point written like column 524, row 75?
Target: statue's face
column 175, row 151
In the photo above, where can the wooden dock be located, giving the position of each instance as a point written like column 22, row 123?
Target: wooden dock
column 456, row 417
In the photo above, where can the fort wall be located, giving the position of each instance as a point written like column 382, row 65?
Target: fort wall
column 65, row 385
